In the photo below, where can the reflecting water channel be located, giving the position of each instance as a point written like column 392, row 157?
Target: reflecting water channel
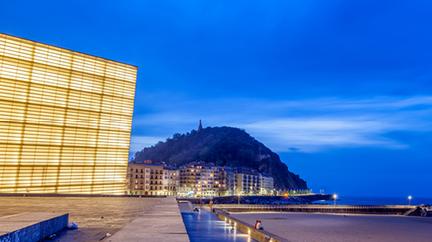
column 204, row 226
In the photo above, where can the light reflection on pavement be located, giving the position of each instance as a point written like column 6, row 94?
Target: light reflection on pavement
column 206, row 227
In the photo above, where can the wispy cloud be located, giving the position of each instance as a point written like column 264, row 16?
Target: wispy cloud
column 312, row 134
column 303, row 125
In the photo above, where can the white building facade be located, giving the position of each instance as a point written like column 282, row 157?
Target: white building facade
column 266, row 185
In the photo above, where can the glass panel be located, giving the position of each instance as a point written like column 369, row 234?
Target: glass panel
column 65, row 120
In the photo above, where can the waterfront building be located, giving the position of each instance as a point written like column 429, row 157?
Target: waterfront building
column 247, row 182
column 65, row 120
column 201, row 179
column 230, row 181
column 147, row 179
column 266, row 185
column 173, row 181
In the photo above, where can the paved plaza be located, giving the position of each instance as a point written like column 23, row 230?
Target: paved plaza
column 300, row 227
column 95, row 216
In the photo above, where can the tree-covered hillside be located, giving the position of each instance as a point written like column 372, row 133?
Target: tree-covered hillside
column 225, row 146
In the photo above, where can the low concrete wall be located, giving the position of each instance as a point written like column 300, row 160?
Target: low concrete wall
column 29, row 227
column 393, row 210
column 258, row 235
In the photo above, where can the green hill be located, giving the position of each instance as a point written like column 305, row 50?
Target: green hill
column 225, row 146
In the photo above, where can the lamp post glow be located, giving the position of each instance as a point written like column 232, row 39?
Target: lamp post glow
column 335, row 197
column 409, row 199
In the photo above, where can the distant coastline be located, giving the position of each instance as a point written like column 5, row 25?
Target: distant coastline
column 366, row 200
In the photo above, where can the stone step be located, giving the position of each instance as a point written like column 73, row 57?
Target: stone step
column 31, row 226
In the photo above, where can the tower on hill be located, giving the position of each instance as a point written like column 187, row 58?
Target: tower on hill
column 200, row 127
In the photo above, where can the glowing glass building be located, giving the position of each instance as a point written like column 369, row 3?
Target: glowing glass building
column 65, row 120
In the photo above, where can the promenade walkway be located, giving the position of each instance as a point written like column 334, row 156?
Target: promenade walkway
column 160, row 222
column 300, row 227
column 100, row 217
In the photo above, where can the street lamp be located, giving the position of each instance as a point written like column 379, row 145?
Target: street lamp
column 335, row 196
column 409, row 199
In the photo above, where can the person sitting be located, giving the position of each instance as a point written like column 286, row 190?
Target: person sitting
column 258, row 225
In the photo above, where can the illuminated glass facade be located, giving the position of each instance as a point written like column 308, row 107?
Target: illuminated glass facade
column 65, row 120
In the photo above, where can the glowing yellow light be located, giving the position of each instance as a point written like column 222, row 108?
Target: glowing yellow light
column 65, row 120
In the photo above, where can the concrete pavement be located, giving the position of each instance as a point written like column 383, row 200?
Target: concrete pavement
column 160, row 222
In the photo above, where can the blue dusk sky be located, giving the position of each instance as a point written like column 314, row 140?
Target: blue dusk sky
column 341, row 90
